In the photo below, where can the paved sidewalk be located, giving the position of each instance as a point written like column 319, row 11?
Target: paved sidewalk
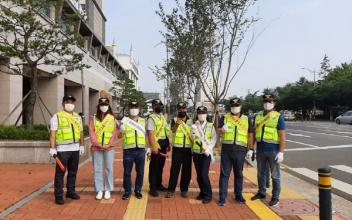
column 293, row 205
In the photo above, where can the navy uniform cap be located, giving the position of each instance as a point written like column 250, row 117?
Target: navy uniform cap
column 68, row 97
column 202, row 109
column 181, row 105
column 235, row 102
column 157, row 102
column 103, row 101
column 269, row 97
column 133, row 104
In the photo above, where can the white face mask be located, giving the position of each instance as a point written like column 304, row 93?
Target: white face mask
column 104, row 108
column 69, row 107
column 134, row 112
column 268, row 106
column 202, row 117
column 236, row 110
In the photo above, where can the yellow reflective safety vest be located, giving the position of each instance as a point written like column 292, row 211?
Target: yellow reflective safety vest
column 237, row 132
column 181, row 138
column 160, row 131
column 266, row 127
column 104, row 129
column 69, row 128
column 132, row 138
column 198, row 146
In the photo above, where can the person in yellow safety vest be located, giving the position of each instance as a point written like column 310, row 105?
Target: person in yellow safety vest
column 270, row 136
column 66, row 143
column 204, row 139
column 236, row 137
column 134, row 150
column 181, row 151
column 103, row 133
column 158, row 138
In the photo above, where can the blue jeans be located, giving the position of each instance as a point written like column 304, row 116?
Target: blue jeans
column 264, row 159
column 231, row 159
column 130, row 156
column 101, row 159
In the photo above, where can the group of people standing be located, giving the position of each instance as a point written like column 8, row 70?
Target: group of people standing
column 152, row 138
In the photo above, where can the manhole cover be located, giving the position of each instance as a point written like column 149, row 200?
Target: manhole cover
column 296, row 207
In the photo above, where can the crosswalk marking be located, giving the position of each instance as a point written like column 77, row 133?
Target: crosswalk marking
column 313, row 147
column 313, row 132
column 343, row 168
column 337, row 184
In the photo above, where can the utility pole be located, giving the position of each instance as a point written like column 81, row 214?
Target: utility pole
column 314, row 104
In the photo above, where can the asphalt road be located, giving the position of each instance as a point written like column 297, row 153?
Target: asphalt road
column 312, row 145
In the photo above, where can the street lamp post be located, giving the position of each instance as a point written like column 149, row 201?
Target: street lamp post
column 312, row 72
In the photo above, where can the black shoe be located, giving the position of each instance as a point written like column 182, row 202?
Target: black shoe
column 126, row 196
column 162, row 189
column 184, row 194
column 240, row 199
column 274, row 202
column 73, row 196
column 138, row 195
column 169, row 194
column 199, row 197
column 258, row 196
column 206, row 201
column 59, row 201
column 154, row 193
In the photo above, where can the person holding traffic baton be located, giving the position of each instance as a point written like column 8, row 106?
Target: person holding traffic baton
column 204, row 139
column 134, row 144
column 236, row 133
column 270, row 136
column 103, row 133
column 181, row 152
column 66, row 145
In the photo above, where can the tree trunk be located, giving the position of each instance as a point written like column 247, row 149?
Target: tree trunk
column 31, row 100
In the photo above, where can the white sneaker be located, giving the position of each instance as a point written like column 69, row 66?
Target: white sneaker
column 107, row 195
column 99, row 195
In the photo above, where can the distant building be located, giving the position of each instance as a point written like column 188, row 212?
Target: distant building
column 151, row 95
column 130, row 65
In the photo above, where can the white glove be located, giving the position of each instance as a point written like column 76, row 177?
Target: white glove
column 193, row 135
column 279, row 157
column 52, row 152
column 249, row 154
column 207, row 152
column 81, row 150
column 225, row 127
column 147, row 152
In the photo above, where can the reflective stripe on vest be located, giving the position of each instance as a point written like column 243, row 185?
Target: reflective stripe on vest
column 179, row 139
column 160, row 127
column 269, row 126
column 238, row 129
column 131, row 138
column 197, row 143
column 104, row 129
column 69, row 128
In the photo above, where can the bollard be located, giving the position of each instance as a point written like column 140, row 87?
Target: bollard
column 325, row 210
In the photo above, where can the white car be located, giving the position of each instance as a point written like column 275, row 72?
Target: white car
column 345, row 118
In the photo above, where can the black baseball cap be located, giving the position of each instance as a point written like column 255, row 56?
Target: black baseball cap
column 103, row 101
column 202, row 109
column 133, row 104
column 68, row 97
column 235, row 102
column 181, row 105
column 156, row 102
column 269, row 97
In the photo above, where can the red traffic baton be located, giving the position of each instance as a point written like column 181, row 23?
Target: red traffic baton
column 59, row 163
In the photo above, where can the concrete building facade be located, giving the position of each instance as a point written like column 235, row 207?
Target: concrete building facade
column 84, row 85
column 130, row 65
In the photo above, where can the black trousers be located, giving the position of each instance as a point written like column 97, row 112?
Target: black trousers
column 70, row 160
column 156, row 166
column 180, row 157
column 202, row 164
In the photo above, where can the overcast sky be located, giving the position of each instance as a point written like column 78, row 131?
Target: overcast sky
column 299, row 34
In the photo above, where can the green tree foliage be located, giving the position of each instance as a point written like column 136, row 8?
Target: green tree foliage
column 33, row 42
column 124, row 88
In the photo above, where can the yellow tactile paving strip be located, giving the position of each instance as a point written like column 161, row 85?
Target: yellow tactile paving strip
column 137, row 207
column 260, row 209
